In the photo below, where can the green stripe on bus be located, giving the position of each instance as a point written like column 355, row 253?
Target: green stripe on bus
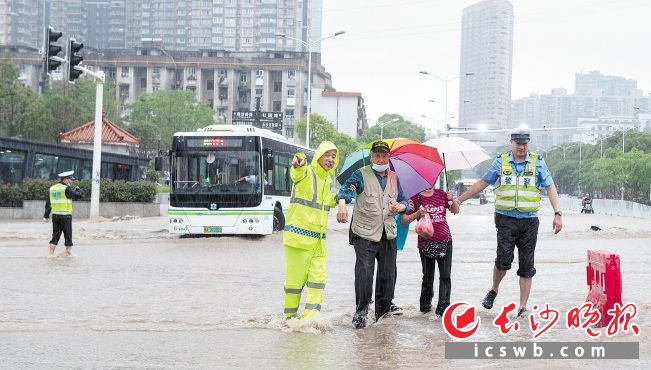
column 217, row 213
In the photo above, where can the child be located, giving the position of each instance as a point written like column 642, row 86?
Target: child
column 433, row 204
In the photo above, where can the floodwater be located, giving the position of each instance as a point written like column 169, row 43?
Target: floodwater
column 132, row 296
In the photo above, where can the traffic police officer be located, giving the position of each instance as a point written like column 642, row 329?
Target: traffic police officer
column 60, row 204
column 521, row 174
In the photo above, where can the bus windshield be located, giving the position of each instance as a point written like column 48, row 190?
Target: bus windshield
column 232, row 166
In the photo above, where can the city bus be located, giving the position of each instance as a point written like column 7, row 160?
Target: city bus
column 229, row 179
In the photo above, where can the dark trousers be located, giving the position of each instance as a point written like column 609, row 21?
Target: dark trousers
column 366, row 252
column 445, row 285
column 61, row 224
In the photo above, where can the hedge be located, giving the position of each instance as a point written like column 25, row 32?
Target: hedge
column 110, row 191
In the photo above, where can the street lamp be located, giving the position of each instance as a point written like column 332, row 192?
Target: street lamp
column 308, row 46
column 446, row 80
column 384, row 124
column 174, row 76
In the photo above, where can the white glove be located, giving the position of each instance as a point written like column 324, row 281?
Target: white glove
column 46, row 219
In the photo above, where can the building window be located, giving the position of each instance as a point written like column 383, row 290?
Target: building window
column 143, row 83
column 155, row 72
column 210, row 85
column 289, row 113
column 291, row 73
column 277, row 106
column 223, row 93
column 242, row 76
column 278, row 87
column 258, row 92
column 221, row 72
column 125, row 72
column 244, row 97
column 12, row 164
column 291, row 93
column 45, row 167
column 259, row 73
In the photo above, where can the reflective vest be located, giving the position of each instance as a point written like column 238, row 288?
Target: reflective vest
column 372, row 215
column 61, row 205
column 518, row 192
column 307, row 216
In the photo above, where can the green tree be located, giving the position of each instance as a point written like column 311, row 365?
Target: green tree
column 18, row 104
column 322, row 130
column 84, row 92
column 167, row 112
column 392, row 125
column 61, row 113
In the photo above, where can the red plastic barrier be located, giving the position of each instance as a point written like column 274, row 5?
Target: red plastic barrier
column 604, row 282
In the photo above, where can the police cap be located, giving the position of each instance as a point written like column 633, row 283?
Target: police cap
column 521, row 135
column 67, row 174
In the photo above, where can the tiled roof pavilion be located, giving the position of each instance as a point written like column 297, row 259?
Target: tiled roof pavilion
column 111, row 134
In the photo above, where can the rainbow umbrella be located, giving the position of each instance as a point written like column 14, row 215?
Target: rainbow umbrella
column 416, row 165
column 362, row 157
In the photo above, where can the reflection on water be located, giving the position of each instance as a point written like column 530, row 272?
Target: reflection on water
column 149, row 300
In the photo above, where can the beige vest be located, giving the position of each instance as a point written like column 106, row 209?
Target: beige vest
column 371, row 214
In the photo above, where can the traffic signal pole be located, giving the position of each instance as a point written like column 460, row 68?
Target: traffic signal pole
column 97, row 140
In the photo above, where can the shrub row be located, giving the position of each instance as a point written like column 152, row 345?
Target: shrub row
column 110, row 191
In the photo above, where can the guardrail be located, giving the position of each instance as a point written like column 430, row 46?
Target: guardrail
column 609, row 207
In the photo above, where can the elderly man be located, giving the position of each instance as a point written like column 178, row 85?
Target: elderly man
column 60, row 204
column 521, row 174
column 379, row 199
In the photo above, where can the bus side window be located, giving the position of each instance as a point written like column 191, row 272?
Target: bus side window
column 288, row 181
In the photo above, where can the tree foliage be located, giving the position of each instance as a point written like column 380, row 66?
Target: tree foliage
column 19, row 106
column 63, row 107
column 391, row 125
column 162, row 113
column 588, row 171
column 322, row 130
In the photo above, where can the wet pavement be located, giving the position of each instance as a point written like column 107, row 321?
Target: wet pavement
column 134, row 296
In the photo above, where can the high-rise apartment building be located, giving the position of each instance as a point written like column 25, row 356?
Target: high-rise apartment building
column 595, row 83
column 69, row 17
column 21, row 22
column 234, row 25
column 486, row 60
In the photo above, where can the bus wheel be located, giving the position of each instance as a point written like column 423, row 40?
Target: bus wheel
column 279, row 219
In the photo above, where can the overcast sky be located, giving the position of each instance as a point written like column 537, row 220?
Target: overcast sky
column 386, row 45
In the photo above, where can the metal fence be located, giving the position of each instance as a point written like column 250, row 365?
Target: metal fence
column 609, row 207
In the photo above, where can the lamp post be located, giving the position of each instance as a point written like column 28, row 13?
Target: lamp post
column 308, row 46
column 384, row 124
column 446, row 80
column 567, row 147
column 174, row 86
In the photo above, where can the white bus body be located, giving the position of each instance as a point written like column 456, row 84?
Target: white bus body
column 215, row 182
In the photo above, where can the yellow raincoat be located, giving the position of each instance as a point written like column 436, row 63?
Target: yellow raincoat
column 305, row 232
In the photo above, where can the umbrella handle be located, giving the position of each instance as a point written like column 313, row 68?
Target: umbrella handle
column 445, row 172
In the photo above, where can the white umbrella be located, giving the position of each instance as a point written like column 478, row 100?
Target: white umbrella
column 458, row 153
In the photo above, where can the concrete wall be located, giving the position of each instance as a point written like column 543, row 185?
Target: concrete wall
column 341, row 111
column 609, row 207
column 34, row 209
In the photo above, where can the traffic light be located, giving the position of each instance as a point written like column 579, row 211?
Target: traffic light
column 74, row 59
column 52, row 50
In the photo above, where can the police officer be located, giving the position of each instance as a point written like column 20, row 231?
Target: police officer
column 60, row 204
column 521, row 174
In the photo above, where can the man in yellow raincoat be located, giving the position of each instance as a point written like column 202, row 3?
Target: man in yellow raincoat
column 305, row 228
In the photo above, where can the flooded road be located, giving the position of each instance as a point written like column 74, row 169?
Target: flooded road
column 135, row 297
